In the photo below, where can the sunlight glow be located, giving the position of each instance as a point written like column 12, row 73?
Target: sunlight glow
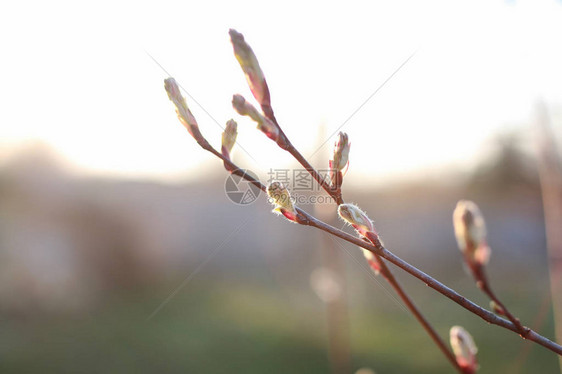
column 77, row 77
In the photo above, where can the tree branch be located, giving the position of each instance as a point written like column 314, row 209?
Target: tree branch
column 378, row 249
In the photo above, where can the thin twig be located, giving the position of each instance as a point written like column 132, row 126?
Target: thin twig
column 336, row 194
column 379, row 249
column 523, row 331
column 387, row 274
column 486, row 315
column 289, row 147
column 484, row 284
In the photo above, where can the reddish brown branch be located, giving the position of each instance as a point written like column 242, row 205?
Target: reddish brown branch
column 484, row 284
column 335, row 193
column 260, row 91
column 486, row 315
column 286, row 144
column 485, row 287
column 387, row 274
column 378, row 249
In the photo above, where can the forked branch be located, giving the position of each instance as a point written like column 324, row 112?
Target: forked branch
column 469, row 226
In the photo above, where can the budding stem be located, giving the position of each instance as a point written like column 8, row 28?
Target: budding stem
column 387, row 274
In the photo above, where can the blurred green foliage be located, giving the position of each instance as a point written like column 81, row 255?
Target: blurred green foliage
column 215, row 326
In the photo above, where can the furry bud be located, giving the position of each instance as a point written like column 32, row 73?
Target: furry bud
column 470, row 231
column 341, row 152
column 356, row 218
column 251, row 68
column 182, row 110
column 464, row 348
column 281, row 198
column 229, row 137
column 265, row 125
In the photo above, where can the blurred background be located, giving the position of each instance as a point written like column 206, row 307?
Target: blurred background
column 121, row 252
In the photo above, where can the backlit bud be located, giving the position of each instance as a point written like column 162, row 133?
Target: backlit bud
column 341, row 152
column 265, row 125
column 356, row 218
column 470, row 231
column 371, row 260
column 339, row 161
column 244, row 108
column 184, row 114
column 229, row 137
column 251, row 68
column 464, row 348
column 281, row 198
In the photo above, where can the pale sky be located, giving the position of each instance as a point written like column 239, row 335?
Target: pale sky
column 77, row 76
